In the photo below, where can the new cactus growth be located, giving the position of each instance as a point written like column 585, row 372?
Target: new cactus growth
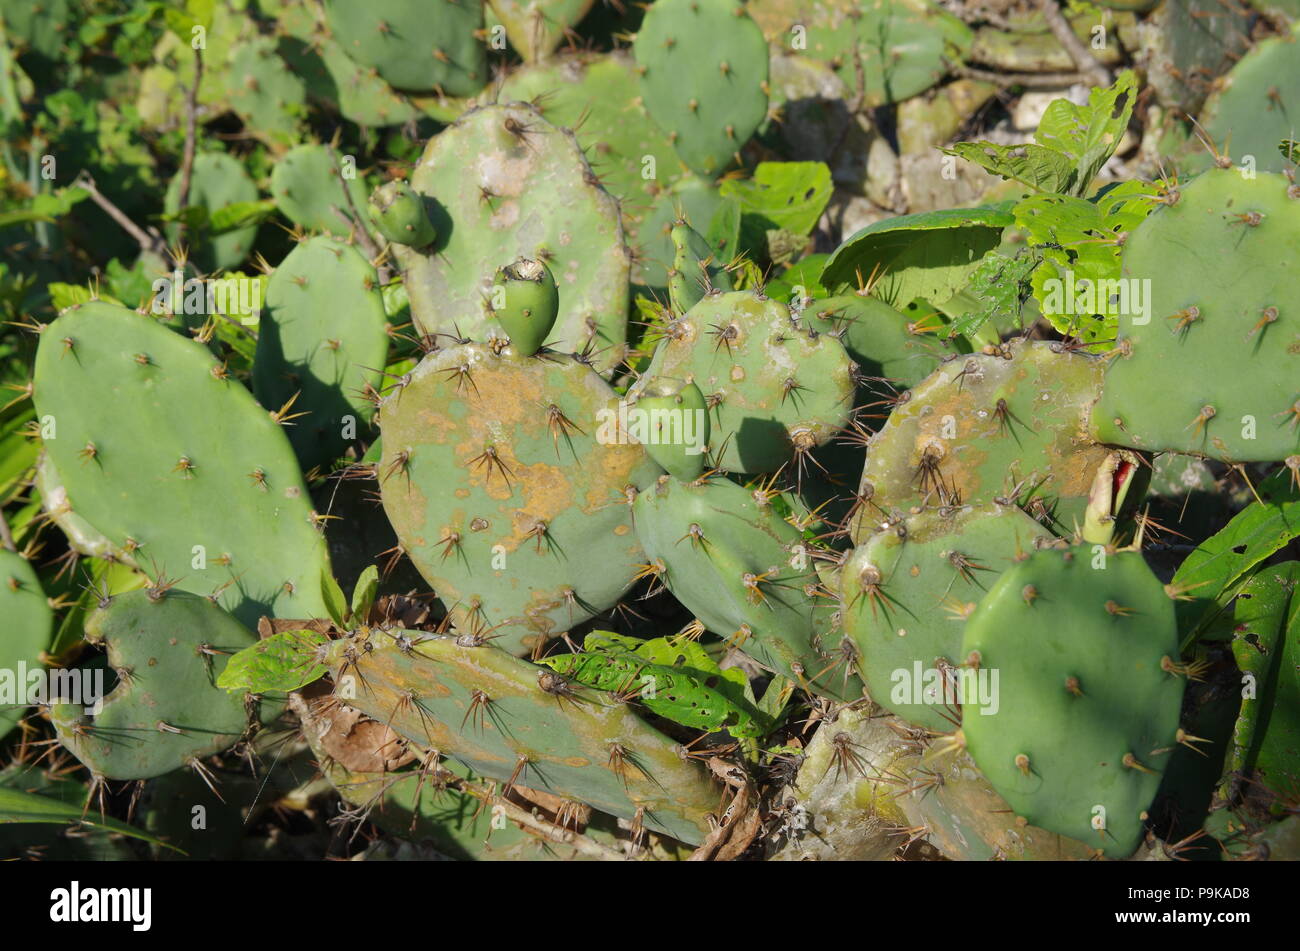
column 398, row 214
column 526, row 302
column 676, row 420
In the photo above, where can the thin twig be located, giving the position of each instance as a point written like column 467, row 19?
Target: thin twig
column 191, row 122
column 149, row 240
column 358, row 225
column 1028, row 80
column 1098, row 75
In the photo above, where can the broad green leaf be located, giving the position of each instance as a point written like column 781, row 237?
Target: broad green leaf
column 1073, row 142
column 17, row 806
column 800, row 280
column 240, row 214
column 930, row 255
column 1088, row 135
column 1033, row 165
column 1210, row 574
column 1267, row 647
column 335, row 602
column 1079, row 244
column 63, row 296
column 281, row 662
column 364, row 592
column 787, row 195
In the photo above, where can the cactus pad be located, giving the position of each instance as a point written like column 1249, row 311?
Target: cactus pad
column 176, row 464
column 1086, row 710
column 1223, row 263
column 504, row 183
column 506, row 480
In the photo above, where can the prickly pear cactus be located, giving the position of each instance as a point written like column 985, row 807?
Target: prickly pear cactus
column 176, row 464
column 885, row 343
column 504, row 183
column 697, row 268
column 748, row 575
column 1003, row 425
column 703, row 66
column 398, row 213
column 506, row 479
column 217, row 180
column 907, row 591
column 29, row 623
column 167, row 648
column 1222, row 261
column 307, row 184
column 776, row 390
column 1085, row 712
column 432, row 47
column 536, row 27
column 321, row 343
column 513, row 722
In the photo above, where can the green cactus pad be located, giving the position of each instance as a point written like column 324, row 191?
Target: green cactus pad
column 323, row 336
column 703, row 66
column 265, row 93
column 697, row 269
column 1253, row 108
column 598, row 98
column 884, row 342
column 748, row 575
column 166, row 709
column 530, row 726
column 777, row 389
column 431, row 47
column 506, row 184
column 907, row 591
column 1085, row 709
column 307, row 185
column 667, row 408
column 29, row 624
column 217, row 180
column 162, row 452
column 506, row 480
column 1188, row 44
column 987, row 426
column 536, row 27
column 1224, row 269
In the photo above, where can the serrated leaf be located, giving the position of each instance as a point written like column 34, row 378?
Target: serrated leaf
column 1073, row 142
column 786, row 195
column 1000, row 286
column 931, row 254
column 281, row 662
